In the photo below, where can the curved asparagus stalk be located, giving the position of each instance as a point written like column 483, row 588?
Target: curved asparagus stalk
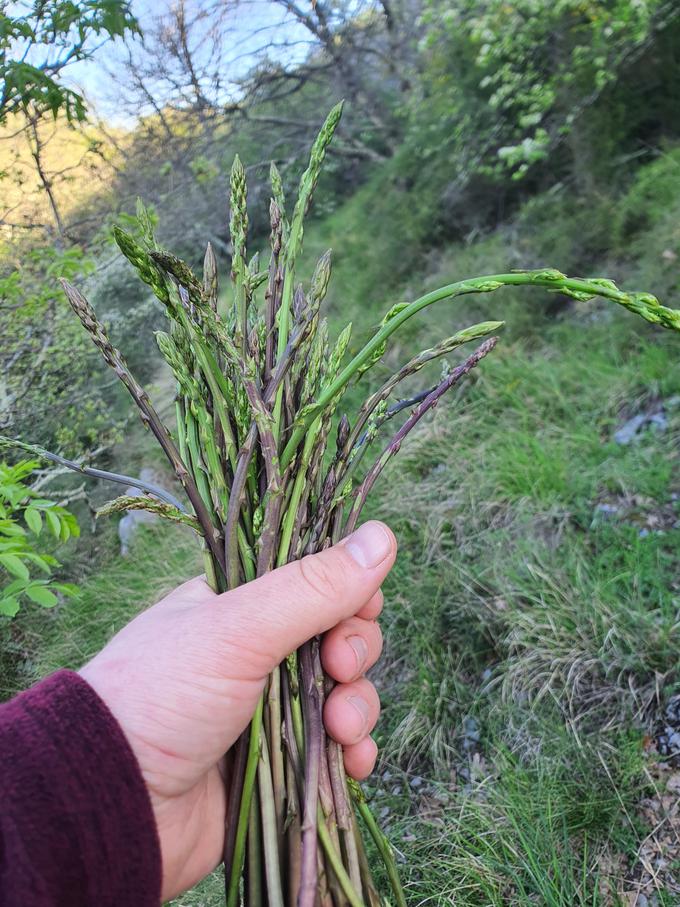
column 357, row 436
column 412, row 367
column 432, row 399
column 643, row 304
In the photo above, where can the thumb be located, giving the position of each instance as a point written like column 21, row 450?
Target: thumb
column 272, row 616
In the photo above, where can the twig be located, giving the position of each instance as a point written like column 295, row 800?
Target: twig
column 76, row 466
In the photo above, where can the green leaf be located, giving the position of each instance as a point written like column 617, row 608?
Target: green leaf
column 43, row 562
column 11, row 529
column 14, row 565
column 74, row 528
column 17, row 585
column 14, row 546
column 33, row 520
column 53, row 522
column 41, row 596
column 68, row 589
column 9, row 606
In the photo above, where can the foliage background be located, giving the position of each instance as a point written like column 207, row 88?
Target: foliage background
column 532, row 620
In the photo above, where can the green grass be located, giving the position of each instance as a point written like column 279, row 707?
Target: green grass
column 502, row 498
column 536, row 833
column 514, row 603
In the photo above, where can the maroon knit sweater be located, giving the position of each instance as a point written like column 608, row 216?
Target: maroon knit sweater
column 76, row 826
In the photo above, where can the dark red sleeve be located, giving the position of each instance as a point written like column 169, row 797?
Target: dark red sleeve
column 76, row 826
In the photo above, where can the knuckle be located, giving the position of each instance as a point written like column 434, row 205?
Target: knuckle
column 319, row 577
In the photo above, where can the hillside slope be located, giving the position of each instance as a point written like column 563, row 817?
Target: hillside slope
column 74, row 161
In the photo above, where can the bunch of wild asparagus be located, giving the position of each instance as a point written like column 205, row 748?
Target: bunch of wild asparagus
column 271, row 474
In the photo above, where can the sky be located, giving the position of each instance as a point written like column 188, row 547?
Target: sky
column 249, row 23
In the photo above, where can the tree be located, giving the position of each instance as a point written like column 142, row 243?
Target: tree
column 48, row 379
column 208, row 74
column 201, row 58
column 39, row 42
column 47, row 374
column 538, row 68
column 44, row 38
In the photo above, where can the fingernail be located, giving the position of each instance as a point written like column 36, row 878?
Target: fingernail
column 362, row 708
column 369, row 545
column 358, row 643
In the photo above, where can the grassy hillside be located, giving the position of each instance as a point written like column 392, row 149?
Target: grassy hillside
column 75, row 160
column 531, row 624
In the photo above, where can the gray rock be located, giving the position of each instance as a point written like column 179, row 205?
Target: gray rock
column 607, row 510
column 672, row 710
column 471, row 735
column 630, row 429
column 472, row 728
column 659, row 420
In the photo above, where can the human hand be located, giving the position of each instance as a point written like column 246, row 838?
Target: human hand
column 183, row 680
